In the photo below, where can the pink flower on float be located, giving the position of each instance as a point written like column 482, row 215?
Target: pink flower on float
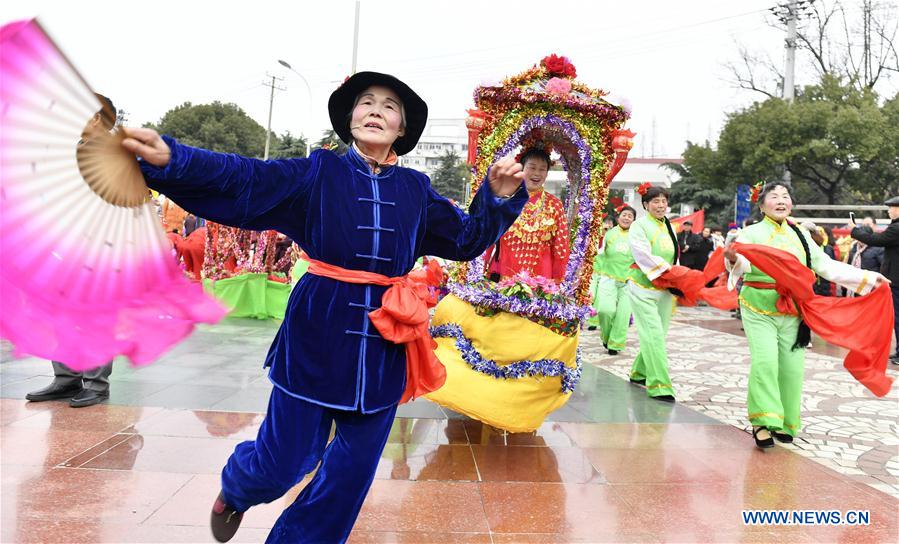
column 558, row 86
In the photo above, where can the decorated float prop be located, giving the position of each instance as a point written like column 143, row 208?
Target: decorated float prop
column 86, row 272
column 245, row 271
column 511, row 348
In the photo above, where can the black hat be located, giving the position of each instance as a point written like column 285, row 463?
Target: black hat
column 340, row 105
column 892, row 201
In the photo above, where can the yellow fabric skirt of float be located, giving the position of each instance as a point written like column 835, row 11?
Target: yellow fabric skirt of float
column 514, row 404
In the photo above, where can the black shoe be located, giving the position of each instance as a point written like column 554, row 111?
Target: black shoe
column 894, row 358
column 760, row 442
column 666, row 398
column 613, row 352
column 782, row 437
column 638, row 382
column 54, row 391
column 591, row 328
column 225, row 520
column 88, row 397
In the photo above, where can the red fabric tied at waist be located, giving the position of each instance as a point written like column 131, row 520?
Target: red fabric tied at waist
column 863, row 325
column 784, row 304
column 402, row 319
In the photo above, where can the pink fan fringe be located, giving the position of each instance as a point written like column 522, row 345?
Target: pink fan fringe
column 90, row 335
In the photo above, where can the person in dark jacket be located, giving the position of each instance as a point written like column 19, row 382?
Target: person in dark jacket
column 867, row 257
column 889, row 241
column 687, row 240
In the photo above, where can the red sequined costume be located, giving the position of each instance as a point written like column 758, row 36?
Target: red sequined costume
column 537, row 242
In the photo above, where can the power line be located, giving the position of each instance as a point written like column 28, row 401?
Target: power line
column 271, row 103
column 518, row 45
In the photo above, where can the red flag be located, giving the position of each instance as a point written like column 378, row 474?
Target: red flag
column 697, row 218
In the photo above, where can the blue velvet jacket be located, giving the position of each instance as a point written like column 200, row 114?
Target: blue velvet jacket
column 327, row 351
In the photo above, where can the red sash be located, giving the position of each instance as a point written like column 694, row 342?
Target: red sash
column 784, row 304
column 402, row 319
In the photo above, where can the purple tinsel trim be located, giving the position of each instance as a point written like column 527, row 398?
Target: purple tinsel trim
column 585, row 202
column 543, row 367
column 488, row 298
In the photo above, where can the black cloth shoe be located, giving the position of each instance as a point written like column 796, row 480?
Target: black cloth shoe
column 54, row 391
column 782, row 437
column 88, row 397
column 894, row 358
column 666, row 398
column 635, row 381
column 762, row 443
column 225, row 520
column 613, row 352
column 591, row 328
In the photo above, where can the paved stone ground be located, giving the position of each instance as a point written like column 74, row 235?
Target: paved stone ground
column 845, row 427
column 609, row 466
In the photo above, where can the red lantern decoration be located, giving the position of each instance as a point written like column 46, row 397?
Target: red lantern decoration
column 476, row 122
column 622, row 143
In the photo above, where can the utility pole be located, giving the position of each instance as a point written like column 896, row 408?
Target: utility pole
column 356, row 38
column 271, row 103
column 792, row 15
column 789, row 15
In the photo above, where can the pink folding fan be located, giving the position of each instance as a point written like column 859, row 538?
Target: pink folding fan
column 86, row 272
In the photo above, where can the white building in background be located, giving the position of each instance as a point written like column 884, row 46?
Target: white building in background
column 440, row 136
column 634, row 172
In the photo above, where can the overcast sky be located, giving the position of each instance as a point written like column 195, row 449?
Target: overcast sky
column 664, row 56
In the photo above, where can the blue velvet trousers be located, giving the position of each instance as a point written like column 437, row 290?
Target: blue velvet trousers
column 292, row 440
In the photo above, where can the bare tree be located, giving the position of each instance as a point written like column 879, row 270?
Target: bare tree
column 857, row 45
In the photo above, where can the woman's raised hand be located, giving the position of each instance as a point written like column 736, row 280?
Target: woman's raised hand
column 147, row 143
column 505, row 177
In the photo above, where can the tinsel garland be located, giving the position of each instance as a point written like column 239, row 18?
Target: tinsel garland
column 485, row 295
column 287, row 259
column 541, row 368
column 253, row 251
column 583, row 143
column 580, row 124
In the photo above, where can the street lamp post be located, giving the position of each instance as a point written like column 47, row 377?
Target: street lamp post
column 287, row 65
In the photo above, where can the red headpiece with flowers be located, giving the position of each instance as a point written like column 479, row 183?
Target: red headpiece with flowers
column 619, row 208
column 643, row 188
column 756, row 190
column 535, row 140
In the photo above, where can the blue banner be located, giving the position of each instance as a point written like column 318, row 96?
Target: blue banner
column 743, row 206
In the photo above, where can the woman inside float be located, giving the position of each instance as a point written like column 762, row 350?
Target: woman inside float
column 537, row 243
column 653, row 246
column 777, row 340
column 339, row 357
column 613, row 307
column 498, row 366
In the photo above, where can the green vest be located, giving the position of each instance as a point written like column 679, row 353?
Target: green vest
column 616, row 259
column 659, row 240
column 768, row 233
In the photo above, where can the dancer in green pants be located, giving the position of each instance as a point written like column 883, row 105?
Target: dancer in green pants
column 593, row 320
column 654, row 249
column 777, row 340
column 613, row 307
